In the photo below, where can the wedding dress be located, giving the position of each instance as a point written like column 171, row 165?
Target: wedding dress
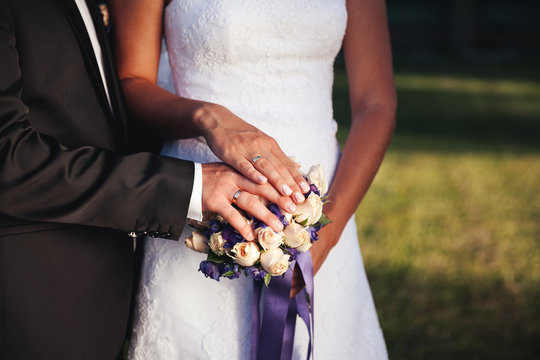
column 271, row 63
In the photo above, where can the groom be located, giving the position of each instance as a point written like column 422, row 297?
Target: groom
column 69, row 191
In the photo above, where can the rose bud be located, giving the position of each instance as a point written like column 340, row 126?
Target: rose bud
column 296, row 235
column 216, row 243
column 275, row 262
column 310, row 210
column 246, row 253
column 198, row 242
column 268, row 238
column 316, row 177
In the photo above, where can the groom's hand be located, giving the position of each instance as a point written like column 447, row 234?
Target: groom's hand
column 220, row 185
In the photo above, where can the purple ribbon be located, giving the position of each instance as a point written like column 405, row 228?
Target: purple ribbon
column 275, row 338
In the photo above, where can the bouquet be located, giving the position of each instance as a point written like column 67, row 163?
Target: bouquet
column 229, row 254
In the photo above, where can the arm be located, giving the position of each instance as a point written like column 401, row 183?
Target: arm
column 41, row 180
column 373, row 104
column 138, row 32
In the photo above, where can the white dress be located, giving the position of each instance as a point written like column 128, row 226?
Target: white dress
column 271, row 63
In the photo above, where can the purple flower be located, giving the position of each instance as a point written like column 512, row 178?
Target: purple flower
column 231, row 236
column 292, row 252
column 230, row 270
column 215, row 226
column 210, row 269
column 258, row 223
column 274, row 209
column 314, row 189
column 313, row 232
column 255, row 272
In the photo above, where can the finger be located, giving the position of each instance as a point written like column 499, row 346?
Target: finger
column 279, row 177
column 253, row 205
column 246, row 168
column 236, row 220
column 268, row 192
column 294, row 170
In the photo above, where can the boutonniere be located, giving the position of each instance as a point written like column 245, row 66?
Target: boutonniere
column 104, row 9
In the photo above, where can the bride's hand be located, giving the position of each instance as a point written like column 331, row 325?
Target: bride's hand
column 328, row 238
column 250, row 151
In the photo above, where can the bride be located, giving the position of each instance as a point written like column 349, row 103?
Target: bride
column 246, row 72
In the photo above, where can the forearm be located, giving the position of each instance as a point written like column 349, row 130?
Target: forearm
column 162, row 114
column 368, row 139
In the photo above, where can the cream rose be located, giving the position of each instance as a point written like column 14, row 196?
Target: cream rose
column 268, row 238
column 216, row 243
column 296, row 235
column 288, row 216
column 310, row 210
column 316, row 177
column 304, row 247
column 275, row 261
column 198, row 242
column 246, row 253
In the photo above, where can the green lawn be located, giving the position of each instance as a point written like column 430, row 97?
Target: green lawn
column 450, row 229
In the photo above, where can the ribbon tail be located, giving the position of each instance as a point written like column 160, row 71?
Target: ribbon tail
column 255, row 318
column 305, row 299
column 275, row 310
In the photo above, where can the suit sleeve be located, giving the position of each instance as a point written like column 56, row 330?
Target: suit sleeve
column 40, row 180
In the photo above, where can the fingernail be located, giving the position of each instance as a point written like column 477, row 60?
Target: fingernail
column 262, row 179
column 299, row 197
column 304, row 186
column 278, row 225
column 291, row 207
column 286, row 189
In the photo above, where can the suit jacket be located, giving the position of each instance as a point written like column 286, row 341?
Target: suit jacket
column 69, row 191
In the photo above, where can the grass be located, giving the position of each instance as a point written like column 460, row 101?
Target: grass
column 450, row 230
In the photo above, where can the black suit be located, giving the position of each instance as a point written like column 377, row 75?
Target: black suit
column 69, row 193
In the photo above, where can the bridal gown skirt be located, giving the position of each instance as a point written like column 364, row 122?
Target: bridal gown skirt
column 180, row 314
column 271, row 63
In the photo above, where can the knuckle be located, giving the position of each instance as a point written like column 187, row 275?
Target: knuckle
column 252, row 201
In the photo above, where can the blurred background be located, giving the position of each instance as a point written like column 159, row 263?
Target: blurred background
column 450, row 229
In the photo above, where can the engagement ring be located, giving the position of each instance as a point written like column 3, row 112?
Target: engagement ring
column 254, row 160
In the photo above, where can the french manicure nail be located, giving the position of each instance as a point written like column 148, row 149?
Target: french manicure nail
column 304, row 186
column 291, row 207
column 262, row 179
column 278, row 225
column 286, row 189
column 299, row 197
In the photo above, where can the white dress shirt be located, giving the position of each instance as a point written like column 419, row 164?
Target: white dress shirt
column 195, row 202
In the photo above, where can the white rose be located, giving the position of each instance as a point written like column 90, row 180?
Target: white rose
column 296, row 235
column 310, row 210
column 246, row 253
column 216, row 243
column 268, row 238
column 316, row 177
column 198, row 242
column 288, row 216
column 275, row 261
column 304, row 247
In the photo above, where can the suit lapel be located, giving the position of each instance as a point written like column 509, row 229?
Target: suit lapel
column 115, row 91
column 77, row 23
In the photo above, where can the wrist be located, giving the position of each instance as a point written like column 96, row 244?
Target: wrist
column 205, row 117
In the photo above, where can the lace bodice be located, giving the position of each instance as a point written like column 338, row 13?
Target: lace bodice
column 268, row 61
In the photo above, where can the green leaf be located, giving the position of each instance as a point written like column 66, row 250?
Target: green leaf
column 267, row 279
column 303, row 223
column 216, row 259
column 228, row 273
column 324, row 220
